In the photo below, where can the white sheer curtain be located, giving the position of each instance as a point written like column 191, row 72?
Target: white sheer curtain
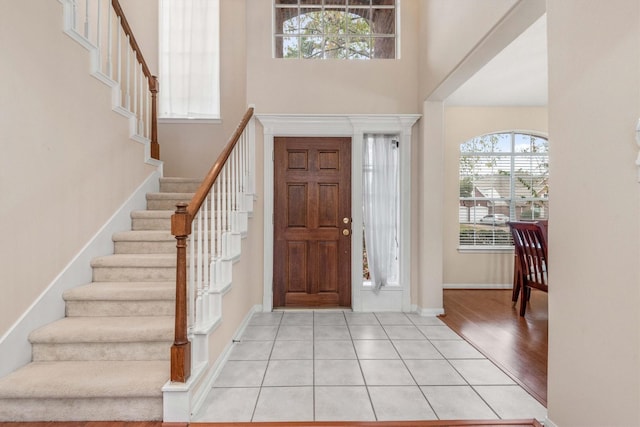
column 380, row 198
column 189, row 59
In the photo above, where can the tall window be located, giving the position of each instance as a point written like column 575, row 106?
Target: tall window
column 189, row 59
column 335, row 29
column 503, row 177
column 381, row 209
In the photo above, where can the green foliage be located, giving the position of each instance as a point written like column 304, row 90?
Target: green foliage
column 530, row 214
column 329, row 34
column 466, row 187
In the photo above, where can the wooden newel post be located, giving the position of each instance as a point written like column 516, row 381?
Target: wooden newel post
column 154, row 87
column 181, row 349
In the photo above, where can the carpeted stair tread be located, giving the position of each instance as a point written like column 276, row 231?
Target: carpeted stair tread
column 86, row 379
column 153, row 214
column 170, row 196
column 122, row 291
column 143, row 235
column 105, row 329
column 172, row 184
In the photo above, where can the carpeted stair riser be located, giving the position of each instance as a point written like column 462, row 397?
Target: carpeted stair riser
column 84, row 391
column 82, row 409
column 104, row 338
column 135, row 268
column 167, row 201
column 151, row 220
column 145, row 242
column 121, row 299
column 159, row 350
column 179, row 185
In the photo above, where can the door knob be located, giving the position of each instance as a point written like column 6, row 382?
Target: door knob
column 346, row 232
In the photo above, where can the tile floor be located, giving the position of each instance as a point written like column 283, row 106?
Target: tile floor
column 344, row 366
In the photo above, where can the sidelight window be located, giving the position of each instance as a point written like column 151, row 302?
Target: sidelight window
column 381, row 209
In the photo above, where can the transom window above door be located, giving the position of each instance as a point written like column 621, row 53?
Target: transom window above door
column 335, row 29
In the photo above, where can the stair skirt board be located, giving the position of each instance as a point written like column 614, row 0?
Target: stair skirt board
column 50, row 306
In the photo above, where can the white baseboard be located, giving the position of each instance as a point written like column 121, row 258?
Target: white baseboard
column 477, row 286
column 548, row 423
column 429, row 312
column 15, row 348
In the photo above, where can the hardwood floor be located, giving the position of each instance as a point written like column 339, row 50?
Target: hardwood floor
column 517, row 344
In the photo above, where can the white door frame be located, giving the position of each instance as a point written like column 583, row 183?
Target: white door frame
column 354, row 126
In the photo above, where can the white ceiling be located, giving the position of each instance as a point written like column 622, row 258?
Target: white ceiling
column 516, row 76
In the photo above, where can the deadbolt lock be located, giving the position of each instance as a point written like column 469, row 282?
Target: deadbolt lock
column 345, row 220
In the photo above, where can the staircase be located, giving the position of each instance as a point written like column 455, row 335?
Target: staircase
column 109, row 357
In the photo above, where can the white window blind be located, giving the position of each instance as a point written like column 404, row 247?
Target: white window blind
column 503, row 177
column 189, row 59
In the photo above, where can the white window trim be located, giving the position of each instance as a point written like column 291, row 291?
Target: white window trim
column 354, row 126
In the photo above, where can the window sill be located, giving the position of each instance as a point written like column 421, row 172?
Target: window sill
column 195, row 120
column 485, row 250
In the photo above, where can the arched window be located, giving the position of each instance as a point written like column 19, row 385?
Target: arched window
column 503, row 177
column 335, row 29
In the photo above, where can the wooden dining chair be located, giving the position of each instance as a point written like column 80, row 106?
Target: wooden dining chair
column 530, row 244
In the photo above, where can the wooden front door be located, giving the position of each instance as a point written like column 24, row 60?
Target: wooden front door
column 312, row 222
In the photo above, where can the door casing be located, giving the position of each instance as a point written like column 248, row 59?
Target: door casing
column 355, row 127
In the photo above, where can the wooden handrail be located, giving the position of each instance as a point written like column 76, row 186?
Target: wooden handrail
column 151, row 79
column 181, row 222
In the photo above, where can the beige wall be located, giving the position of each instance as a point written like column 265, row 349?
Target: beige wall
column 449, row 30
column 462, row 124
column 594, row 237
column 67, row 162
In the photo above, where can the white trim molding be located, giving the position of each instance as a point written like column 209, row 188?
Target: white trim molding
column 354, row 126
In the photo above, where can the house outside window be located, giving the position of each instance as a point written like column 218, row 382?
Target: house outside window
column 503, row 177
column 335, row 29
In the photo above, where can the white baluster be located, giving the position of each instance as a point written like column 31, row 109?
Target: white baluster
column 206, row 260
column 218, row 218
column 86, row 19
column 119, row 61
column 134, row 104
column 198, row 261
column 191, row 291
column 109, row 42
column 127, row 102
column 98, row 35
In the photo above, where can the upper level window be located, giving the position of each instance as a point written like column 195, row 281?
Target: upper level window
column 189, row 59
column 335, row 29
column 503, row 177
